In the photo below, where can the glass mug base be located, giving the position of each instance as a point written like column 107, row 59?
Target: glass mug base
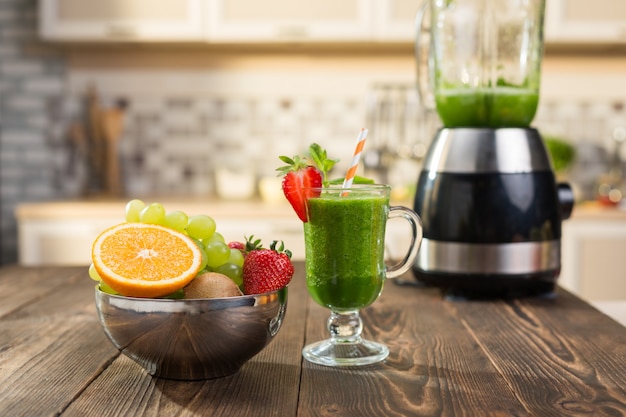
column 345, row 347
column 333, row 352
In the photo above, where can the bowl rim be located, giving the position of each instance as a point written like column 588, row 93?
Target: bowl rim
column 186, row 300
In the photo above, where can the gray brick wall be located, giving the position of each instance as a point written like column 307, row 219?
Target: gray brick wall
column 31, row 88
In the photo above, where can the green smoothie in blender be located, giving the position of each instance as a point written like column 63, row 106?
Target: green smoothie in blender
column 486, row 107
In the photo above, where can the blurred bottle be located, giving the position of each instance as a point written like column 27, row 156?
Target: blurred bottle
column 611, row 186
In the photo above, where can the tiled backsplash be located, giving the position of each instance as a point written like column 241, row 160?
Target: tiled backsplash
column 175, row 145
column 189, row 139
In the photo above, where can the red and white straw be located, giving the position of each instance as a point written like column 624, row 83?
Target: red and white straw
column 360, row 143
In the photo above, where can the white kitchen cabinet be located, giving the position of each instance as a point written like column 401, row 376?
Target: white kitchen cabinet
column 59, row 241
column 585, row 22
column 289, row 20
column 566, row 21
column 395, row 20
column 594, row 256
column 122, row 20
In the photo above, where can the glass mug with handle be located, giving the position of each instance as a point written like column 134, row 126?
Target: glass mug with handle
column 345, row 268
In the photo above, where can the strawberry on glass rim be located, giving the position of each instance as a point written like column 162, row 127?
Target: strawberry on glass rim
column 302, row 175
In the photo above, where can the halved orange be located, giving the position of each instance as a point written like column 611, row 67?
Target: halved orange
column 145, row 260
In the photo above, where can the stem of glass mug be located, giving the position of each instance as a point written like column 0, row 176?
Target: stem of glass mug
column 345, row 327
column 416, row 239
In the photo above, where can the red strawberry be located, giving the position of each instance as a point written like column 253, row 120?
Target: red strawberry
column 267, row 270
column 237, row 245
column 250, row 245
column 299, row 175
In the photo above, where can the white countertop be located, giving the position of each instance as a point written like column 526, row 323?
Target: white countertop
column 112, row 208
column 255, row 208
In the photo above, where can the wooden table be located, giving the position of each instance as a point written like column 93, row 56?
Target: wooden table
column 529, row 357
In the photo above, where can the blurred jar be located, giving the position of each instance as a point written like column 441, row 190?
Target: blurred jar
column 270, row 189
column 235, row 178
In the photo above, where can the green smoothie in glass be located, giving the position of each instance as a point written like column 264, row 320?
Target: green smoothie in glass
column 344, row 240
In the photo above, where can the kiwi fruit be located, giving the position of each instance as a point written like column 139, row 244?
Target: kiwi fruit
column 211, row 285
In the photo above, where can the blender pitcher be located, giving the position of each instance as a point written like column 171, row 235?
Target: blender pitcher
column 484, row 60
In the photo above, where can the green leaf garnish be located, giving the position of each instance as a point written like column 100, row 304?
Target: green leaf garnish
column 321, row 161
column 318, row 158
column 356, row 180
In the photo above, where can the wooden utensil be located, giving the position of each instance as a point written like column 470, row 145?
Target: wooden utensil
column 95, row 146
column 112, row 127
column 78, row 153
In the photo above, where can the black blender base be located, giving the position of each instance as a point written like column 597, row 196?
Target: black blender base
column 484, row 286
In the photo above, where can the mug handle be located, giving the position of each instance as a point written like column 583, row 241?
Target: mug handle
column 416, row 239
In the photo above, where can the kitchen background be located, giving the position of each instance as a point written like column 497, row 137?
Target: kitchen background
column 208, row 119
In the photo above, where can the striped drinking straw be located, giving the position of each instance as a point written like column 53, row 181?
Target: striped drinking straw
column 360, row 143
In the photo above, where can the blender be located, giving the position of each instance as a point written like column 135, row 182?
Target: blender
column 487, row 195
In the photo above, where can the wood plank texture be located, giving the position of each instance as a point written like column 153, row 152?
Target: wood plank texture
column 529, row 357
column 21, row 286
column 537, row 356
column 435, row 367
column 561, row 362
column 51, row 344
